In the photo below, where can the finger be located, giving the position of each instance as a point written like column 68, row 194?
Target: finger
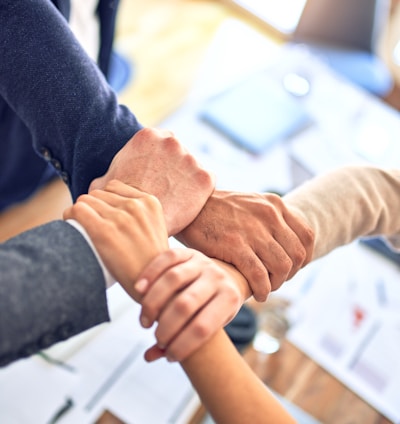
column 255, row 272
column 304, row 233
column 170, row 287
column 295, row 255
column 160, row 265
column 102, row 207
column 122, row 189
column 287, row 252
column 285, row 229
column 182, row 309
column 117, row 200
column 203, row 326
column 154, row 353
column 276, row 260
column 86, row 216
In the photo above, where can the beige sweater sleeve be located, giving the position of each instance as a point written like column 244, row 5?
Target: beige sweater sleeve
column 347, row 203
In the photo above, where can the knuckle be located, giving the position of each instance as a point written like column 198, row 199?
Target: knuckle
column 309, row 237
column 151, row 199
column 130, row 205
column 84, row 197
column 173, row 276
column 275, row 200
column 173, row 255
column 183, row 304
column 234, row 238
column 77, row 207
column 233, row 304
column 286, row 264
column 205, row 179
column 254, row 270
column 299, row 257
column 113, row 183
column 145, row 132
column 172, row 143
column 200, row 330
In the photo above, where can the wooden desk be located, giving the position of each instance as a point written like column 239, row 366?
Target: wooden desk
column 166, row 41
column 300, row 380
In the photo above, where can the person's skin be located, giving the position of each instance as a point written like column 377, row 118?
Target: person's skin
column 216, row 369
column 188, row 309
column 359, row 200
column 52, row 285
column 228, row 388
column 246, row 230
column 97, row 129
column 205, row 307
column 80, row 134
column 265, row 225
column 340, row 206
column 126, row 226
column 154, row 161
column 178, row 295
column 255, row 233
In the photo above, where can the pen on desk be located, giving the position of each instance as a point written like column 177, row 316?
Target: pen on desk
column 55, row 361
column 69, row 403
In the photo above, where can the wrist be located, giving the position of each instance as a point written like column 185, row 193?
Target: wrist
column 241, row 282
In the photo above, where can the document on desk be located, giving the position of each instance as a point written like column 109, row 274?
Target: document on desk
column 352, row 126
column 348, row 321
column 107, row 373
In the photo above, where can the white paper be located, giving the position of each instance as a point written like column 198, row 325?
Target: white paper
column 104, row 371
column 348, row 320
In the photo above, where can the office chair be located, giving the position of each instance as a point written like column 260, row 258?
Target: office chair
column 344, row 34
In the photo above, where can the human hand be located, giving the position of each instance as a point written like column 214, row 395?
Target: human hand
column 154, row 161
column 125, row 225
column 256, row 233
column 191, row 297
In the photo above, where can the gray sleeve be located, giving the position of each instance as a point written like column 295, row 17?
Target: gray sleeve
column 51, row 288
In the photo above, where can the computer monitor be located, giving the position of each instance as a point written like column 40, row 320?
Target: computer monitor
column 354, row 24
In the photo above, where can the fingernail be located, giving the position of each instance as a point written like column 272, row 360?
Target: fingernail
column 141, row 285
column 170, row 358
column 146, row 323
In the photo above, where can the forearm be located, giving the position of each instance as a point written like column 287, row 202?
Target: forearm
column 51, row 288
column 348, row 203
column 59, row 92
column 228, row 388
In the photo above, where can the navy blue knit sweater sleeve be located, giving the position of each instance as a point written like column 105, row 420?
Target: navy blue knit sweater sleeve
column 59, row 93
